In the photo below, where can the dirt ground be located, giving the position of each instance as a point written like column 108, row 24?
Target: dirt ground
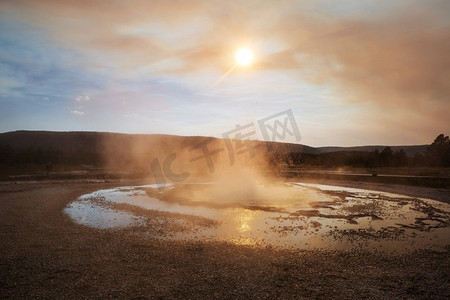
column 43, row 254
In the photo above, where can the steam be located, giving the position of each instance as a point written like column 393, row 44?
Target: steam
column 239, row 184
column 174, row 159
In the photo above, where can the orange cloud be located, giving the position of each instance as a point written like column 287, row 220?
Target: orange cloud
column 397, row 59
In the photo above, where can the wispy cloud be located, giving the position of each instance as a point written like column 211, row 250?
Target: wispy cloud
column 134, row 115
column 377, row 60
column 77, row 112
column 82, row 98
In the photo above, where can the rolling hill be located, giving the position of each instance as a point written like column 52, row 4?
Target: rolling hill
column 95, row 141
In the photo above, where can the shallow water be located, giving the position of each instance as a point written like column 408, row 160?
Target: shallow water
column 295, row 215
column 92, row 214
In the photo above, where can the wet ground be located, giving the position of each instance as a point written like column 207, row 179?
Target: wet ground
column 45, row 254
column 287, row 215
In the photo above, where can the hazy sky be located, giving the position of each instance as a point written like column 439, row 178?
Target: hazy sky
column 353, row 72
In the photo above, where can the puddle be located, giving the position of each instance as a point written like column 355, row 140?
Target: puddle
column 295, row 215
column 94, row 215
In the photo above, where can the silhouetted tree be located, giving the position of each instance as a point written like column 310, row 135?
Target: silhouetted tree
column 439, row 151
column 374, row 159
column 386, row 157
column 418, row 160
column 400, row 159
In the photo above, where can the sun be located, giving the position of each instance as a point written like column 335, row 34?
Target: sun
column 244, row 57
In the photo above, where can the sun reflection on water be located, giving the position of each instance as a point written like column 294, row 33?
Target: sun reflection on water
column 304, row 216
column 243, row 220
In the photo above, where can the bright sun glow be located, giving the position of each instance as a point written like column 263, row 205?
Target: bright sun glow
column 244, row 57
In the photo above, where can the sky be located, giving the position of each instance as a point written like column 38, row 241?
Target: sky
column 352, row 72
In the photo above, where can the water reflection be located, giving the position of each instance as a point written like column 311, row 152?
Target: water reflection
column 243, row 219
column 94, row 215
column 295, row 215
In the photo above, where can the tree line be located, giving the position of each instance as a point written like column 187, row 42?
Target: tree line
column 436, row 155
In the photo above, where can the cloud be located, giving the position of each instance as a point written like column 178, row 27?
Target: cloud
column 134, row 115
column 391, row 57
column 82, row 98
column 77, row 112
column 396, row 57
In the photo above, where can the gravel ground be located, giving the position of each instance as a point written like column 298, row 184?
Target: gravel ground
column 43, row 254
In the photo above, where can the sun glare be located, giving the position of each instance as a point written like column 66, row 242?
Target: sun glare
column 244, row 57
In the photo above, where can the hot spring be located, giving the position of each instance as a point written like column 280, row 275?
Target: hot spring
column 292, row 215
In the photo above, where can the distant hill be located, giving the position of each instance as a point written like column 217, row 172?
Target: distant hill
column 83, row 140
column 409, row 150
column 95, row 141
column 45, row 154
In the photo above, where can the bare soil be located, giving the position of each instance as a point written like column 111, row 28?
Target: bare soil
column 43, row 254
